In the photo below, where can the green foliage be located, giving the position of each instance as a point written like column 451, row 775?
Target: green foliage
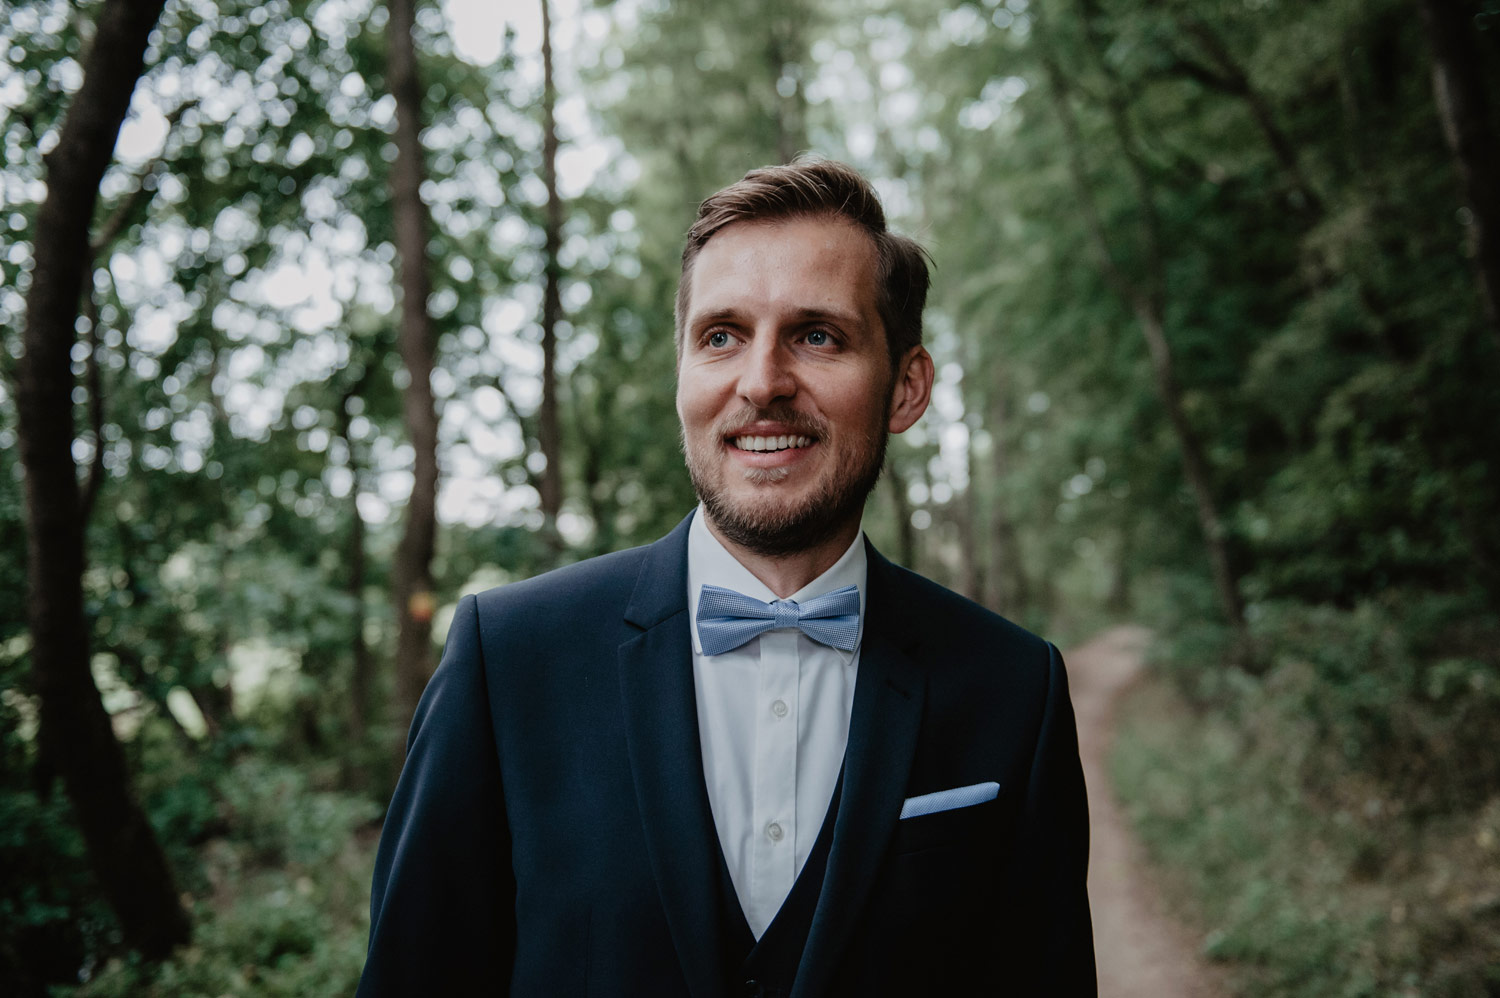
column 1292, row 205
column 1310, row 877
column 282, row 887
column 51, row 917
column 1403, row 689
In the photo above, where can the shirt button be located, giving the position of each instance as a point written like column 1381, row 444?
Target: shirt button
column 774, row 832
column 778, row 707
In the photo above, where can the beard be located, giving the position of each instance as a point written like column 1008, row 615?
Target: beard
column 772, row 525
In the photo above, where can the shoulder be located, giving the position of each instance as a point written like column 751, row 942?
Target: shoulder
column 963, row 647
column 606, row 580
column 932, row 613
column 554, row 614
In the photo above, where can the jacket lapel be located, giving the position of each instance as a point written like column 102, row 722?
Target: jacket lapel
column 883, row 728
column 661, row 731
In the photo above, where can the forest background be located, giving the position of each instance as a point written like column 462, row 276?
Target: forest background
column 371, row 306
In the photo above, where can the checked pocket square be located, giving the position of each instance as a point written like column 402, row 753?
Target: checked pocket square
column 947, row 800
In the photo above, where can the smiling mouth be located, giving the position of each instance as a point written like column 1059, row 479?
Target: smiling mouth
column 772, row 444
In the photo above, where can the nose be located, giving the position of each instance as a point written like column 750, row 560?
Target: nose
column 767, row 374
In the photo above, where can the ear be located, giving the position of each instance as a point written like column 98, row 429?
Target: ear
column 912, row 389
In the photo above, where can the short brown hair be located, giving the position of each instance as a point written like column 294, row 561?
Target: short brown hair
column 812, row 187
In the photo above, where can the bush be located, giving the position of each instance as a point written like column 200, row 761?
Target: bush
column 1312, row 875
column 283, row 909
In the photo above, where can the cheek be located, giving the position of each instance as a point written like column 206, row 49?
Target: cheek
column 858, row 407
column 704, row 383
column 696, row 407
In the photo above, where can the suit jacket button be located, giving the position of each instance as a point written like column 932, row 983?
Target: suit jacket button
column 754, row 990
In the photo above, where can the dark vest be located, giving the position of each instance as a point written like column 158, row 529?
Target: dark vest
column 768, row 967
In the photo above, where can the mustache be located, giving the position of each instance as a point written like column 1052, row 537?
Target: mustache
column 798, row 422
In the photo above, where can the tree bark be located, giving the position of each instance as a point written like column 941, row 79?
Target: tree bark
column 1458, row 87
column 906, row 534
column 970, row 564
column 215, row 700
column 1008, row 590
column 360, row 669
column 76, row 735
column 1195, row 469
column 549, row 433
column 412, row 571
column 93, row 380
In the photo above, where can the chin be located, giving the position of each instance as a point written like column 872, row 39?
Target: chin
column 767, row 476
column 774, row 525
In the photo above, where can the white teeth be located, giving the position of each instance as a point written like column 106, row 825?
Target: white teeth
column 772, row 443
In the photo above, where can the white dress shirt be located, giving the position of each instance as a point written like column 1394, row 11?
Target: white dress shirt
column 773, row 719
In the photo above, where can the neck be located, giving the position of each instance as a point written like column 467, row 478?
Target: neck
column 785, row 574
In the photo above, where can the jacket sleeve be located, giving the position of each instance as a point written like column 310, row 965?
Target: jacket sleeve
column 1055, row 847
column 442, row 906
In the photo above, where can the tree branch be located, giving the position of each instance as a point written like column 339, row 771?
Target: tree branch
column 1236, row 82
column 126, row 206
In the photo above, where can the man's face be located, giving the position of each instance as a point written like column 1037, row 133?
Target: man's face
column 784, row 384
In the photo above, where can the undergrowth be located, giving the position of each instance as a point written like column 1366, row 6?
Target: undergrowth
column 1315, row 873
column 279, row 889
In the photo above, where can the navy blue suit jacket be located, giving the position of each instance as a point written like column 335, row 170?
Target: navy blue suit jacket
column 551, row 832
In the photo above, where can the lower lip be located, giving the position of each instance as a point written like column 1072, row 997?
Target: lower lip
column 771, row 458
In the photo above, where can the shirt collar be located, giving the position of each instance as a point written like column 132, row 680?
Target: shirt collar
column 711, row 563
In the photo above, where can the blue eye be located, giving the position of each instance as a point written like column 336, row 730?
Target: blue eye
column 718, row 338
column 818, row 338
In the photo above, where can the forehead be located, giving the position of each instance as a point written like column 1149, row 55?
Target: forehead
column 791, row 264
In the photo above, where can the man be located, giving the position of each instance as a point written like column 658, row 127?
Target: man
column 755, row 757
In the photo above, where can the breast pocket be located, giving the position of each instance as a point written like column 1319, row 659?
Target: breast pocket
column 976, row 824
column 936, row 896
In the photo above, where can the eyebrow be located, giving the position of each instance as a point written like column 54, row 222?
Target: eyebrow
column 730, row 314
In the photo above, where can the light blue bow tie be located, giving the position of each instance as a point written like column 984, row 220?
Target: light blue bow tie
column 727, row 619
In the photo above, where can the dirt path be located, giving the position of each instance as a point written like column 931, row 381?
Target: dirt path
column 1142, row 952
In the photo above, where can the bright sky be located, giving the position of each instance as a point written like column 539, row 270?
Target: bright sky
column 479, row 24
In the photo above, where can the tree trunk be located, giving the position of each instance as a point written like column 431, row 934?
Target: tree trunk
column 791, row 102
column 215, row 700
column 1118, row 601
column 1145, row 301
column 590, row 432
column 1458, row 87
column 906, row 534
column 966, row 505
column 93, row 381
column 1195, row 468
column 360, row 668
column 412, row 571
column 970, row 567
column 549, row 433
column 76, row 735
column 1009, row 592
